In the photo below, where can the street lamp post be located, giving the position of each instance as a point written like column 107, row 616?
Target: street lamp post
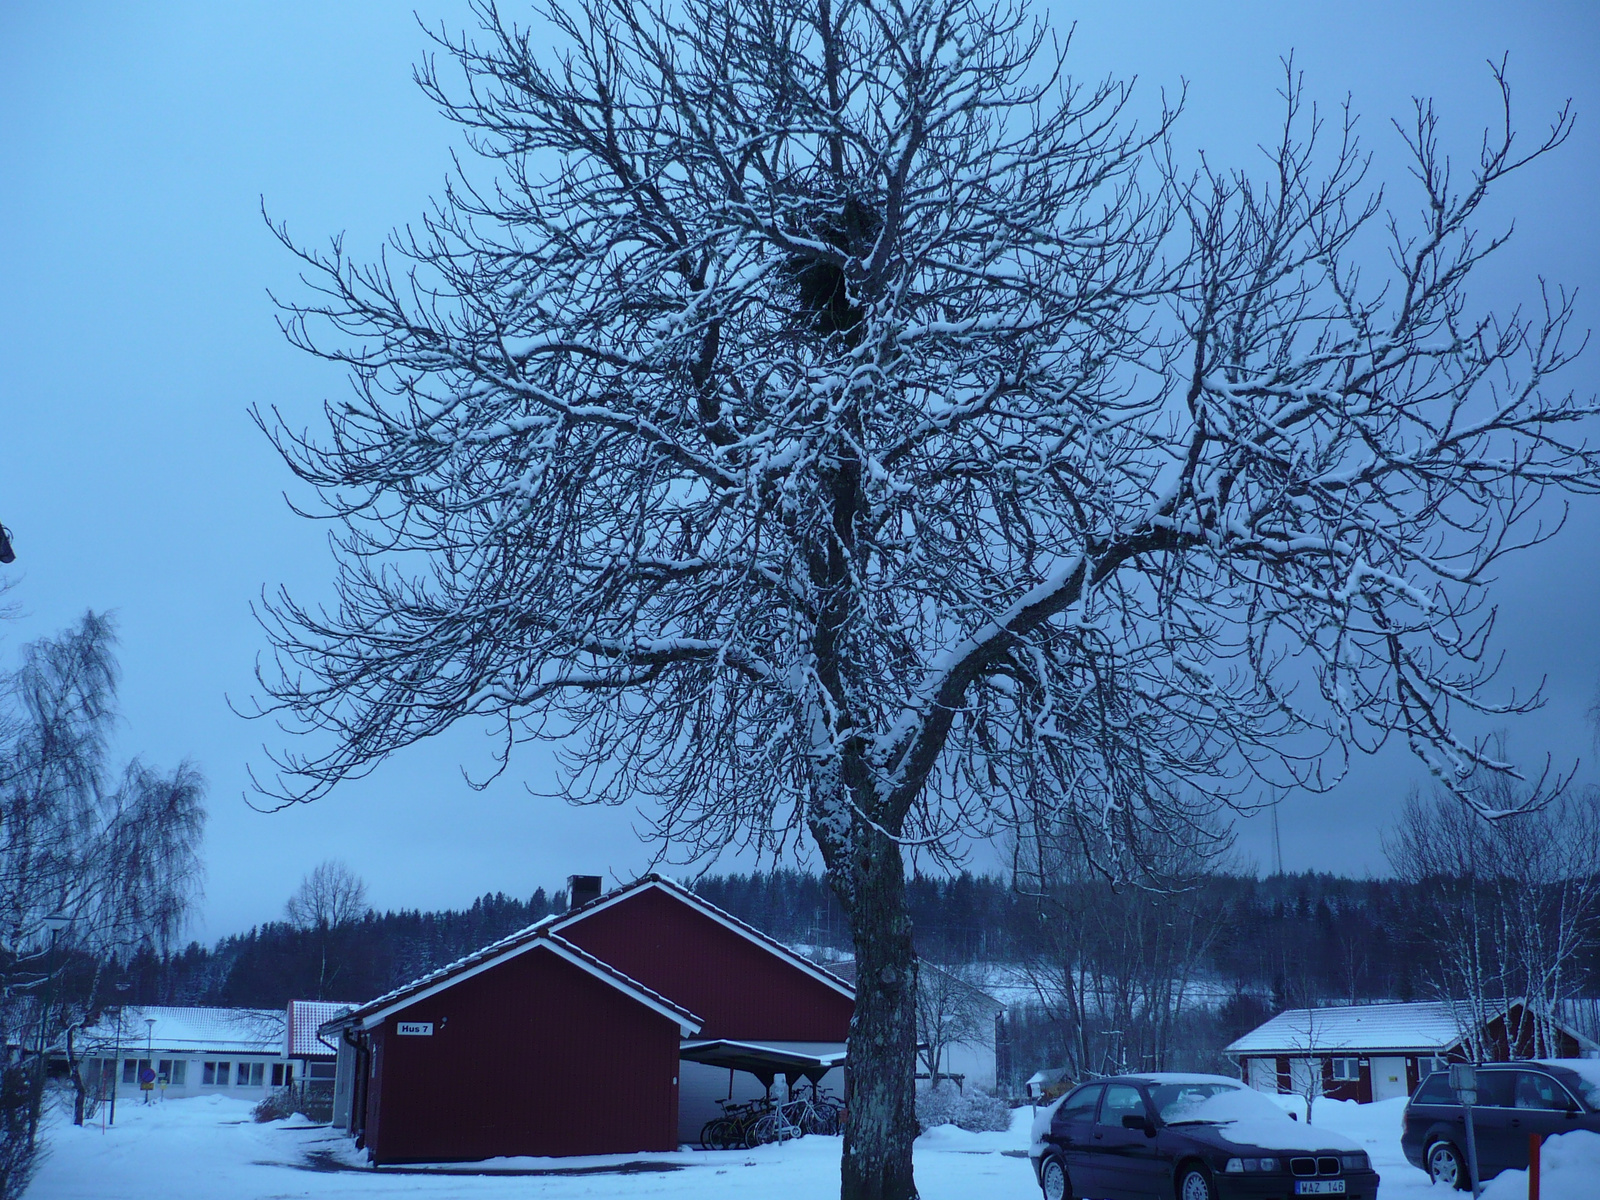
column 116, row 1065
column 149, row 1056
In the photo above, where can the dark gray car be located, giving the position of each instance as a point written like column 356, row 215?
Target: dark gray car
column 1515, row 1100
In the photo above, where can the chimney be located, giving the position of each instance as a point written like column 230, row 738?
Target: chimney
column 581, row 889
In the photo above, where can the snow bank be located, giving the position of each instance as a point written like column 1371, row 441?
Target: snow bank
column 1569, row 1170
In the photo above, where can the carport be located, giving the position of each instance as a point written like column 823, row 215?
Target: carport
column 767, row 1060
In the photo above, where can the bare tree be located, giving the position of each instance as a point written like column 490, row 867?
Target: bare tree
column 842, row 424
column 329, row 899
column 1509, row 906
column 331, row 894
column 118, row 858
column 1114, row 963
column 1307, row 1082
column 951, row 1011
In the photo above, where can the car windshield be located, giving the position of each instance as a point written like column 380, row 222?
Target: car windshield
column 1178, row 1101
column 1209, row 1103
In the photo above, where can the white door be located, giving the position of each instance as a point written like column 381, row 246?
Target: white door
column 1388, row 1078
column 1264, row 1074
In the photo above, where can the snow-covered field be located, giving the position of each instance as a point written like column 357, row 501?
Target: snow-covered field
column 208, row 1148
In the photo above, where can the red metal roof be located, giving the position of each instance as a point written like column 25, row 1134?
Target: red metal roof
column 549, row 927
column 537, row 936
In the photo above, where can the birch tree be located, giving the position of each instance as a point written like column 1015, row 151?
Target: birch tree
column 835, row 425
column 117, row 857
column 1506, row 909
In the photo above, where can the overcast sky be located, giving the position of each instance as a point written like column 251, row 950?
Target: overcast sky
column 136, row 145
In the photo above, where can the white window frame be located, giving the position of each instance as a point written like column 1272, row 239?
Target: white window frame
column 1350, row 1062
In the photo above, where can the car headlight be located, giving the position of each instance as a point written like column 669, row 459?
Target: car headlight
column 1238, row 1166
column 1355, row 1162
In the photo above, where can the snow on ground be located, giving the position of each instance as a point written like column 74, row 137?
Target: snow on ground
column 1569, row 1170
column 208, row 1148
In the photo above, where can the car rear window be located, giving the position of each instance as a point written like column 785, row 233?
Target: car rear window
column 1495, row 1089
column 1435, row 1089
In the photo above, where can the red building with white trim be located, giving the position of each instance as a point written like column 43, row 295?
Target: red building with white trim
column 600, row 1019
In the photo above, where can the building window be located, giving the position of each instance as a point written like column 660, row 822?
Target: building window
column 250, row 1074
column 1427, row 1065
column 277, row 1074
column 180, row 1072
column 130, row 1071
column 322, row 1071
column 1346, row 1070
column 215, row 1073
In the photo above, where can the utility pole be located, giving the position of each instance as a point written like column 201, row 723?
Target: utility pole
column 116, row 1066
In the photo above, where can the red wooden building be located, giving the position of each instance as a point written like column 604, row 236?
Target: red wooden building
column 1368, row 1052
column 609, row 1026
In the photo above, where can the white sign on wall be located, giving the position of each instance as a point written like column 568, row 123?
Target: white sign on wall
column 415, row 1029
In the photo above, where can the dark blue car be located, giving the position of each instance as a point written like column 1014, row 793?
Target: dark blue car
column 1188, row 1137
column 1515, row 1100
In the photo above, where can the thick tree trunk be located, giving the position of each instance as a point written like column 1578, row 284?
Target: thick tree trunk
column 880, row 1122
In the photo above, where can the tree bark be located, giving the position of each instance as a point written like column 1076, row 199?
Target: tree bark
column 880, row 1118
column 75, row 1069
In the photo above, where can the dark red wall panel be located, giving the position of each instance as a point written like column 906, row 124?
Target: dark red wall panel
column 738, row 988
column 531, row 1057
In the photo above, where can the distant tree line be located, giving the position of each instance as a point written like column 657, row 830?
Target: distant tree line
column 1283, row 941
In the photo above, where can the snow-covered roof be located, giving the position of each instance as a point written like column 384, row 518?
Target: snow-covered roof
column 305, row 1017
column 546, row 930
column 727, row 920
column 536, row 937
column 1427, row 1026
column 189, row 1030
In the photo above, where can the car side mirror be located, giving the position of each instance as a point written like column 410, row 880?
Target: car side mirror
column 1134, row 1121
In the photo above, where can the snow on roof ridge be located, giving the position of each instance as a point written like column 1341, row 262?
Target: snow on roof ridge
column 461, row 964
column 1381, row 1025
column 695, row 899
column 537, row 932
column 545, row 927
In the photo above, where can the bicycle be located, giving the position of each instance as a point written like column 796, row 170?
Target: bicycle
column 731, row 1131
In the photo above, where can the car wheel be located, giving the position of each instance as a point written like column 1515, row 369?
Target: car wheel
column 1195, row 1184
column 1053, row 1180
column 1445, row 1166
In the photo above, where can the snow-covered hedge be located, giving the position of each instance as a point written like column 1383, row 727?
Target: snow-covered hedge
column 976, row 1110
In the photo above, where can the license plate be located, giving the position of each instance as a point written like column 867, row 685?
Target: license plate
column 1319, row 1187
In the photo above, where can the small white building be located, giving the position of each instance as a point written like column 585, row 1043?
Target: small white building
column 969, row 1057
column 244, row 1052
